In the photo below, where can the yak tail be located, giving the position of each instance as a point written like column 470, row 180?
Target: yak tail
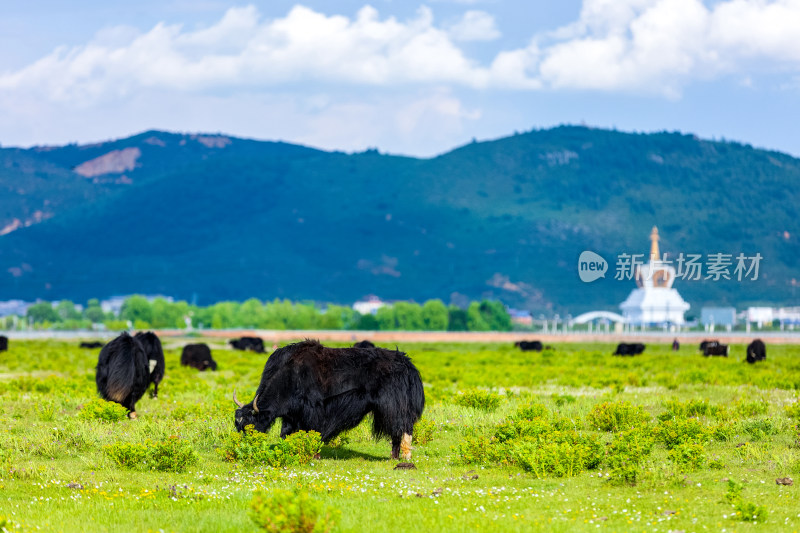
column 120, row 368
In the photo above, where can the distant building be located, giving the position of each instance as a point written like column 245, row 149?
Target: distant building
column 654, row 301
column 14, row 307
column 718, row 316
column 766, row 315
column 369, row 306
column 760, row 315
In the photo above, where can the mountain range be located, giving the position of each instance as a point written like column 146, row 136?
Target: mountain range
column 209, row 217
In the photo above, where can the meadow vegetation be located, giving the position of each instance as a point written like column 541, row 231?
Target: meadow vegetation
column 569, row 439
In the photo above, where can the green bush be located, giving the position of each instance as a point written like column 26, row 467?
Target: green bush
column 682, row 431
column 759, row 428
column 424, row 431
column 793, row 409
column 625, row 455
column 561, row 454
column 614, row 416
column 688, row 456
column 251, row 447
column 745, row 511
column 99, row 409
column 531, row 411
column 171, row 455
column 288, row 511
column 479, row 399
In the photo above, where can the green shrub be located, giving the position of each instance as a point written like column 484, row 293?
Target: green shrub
column 480, row 449
column 251, row 447
column 561, row 454
column 99, row 409
column 424, row 431
column 288, row 511
column 170, row 455
column 625, row 455
column 614, row 416
column 759, row 428
column 688, row 456
column 747, row 409
column 681, row 431
column 531, row 411
column 479, row 399
column 745, row 511
column 793, row 409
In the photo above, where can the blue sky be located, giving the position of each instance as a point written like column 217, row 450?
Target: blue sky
column 415, row 79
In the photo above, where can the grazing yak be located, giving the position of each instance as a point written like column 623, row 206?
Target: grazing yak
column 624, row 348
column 756, row 351
column 706, row 343
column 155, row 357
column 330, row 390
column 254, row 344
column 3, row 343
column 364, row 344
column 528, row 346
column 716, row 349
column 123, row 372
column 198, row 356
column 91, row 345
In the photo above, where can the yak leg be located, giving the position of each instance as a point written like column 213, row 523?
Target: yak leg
column 401, row 447
column 405, row 447
column 155, row 390
column 395, row 447
column 287, row 427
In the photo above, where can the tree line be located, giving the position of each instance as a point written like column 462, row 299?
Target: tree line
column 159, row 313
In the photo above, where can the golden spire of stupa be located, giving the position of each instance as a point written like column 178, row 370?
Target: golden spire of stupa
column 654, row 255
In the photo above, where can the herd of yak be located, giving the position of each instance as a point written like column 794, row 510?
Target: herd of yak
column 307, row 385
column 756, row 350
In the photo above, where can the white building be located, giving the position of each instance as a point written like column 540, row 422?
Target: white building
column 369, row 306
column 654, row 301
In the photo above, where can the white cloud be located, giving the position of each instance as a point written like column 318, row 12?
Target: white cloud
column 650, row 46
column 474, row 26
column 661, row 45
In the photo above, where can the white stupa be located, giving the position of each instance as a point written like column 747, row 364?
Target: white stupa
column 654, row 301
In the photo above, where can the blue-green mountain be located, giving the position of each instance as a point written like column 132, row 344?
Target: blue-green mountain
column 211, row 217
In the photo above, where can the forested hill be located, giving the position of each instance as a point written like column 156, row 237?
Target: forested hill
column 210, row 217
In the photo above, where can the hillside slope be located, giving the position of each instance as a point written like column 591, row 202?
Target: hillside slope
column 210, row 217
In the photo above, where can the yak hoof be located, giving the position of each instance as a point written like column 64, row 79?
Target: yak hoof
column 132, row 415
column 405, row 466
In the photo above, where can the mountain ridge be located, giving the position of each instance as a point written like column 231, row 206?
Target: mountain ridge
column 219, row 217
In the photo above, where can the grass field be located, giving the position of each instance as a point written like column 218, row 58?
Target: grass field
column 570, row 439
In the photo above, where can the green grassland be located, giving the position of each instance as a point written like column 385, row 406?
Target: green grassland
column 570, row 439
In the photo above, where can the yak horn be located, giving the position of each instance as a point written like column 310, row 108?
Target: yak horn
column 255, row 403
column 236, row 401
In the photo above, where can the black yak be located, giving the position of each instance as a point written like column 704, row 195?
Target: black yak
column 123, row 372
column 330, row 390
column 676, row 345
column 527, row 346
column 629, row 348
column 364, row 344
column 155, row 356
column 756, row 351
column 254, row 344
column 198, row 356
column 3, row 343
column 91, row 345
column 716, row 349
column 707, row 343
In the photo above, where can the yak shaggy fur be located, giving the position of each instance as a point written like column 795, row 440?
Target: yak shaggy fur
column 123, row 373
column 155, row 356
column 330, row 390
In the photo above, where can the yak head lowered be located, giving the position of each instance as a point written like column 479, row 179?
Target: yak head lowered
column 248, row 414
